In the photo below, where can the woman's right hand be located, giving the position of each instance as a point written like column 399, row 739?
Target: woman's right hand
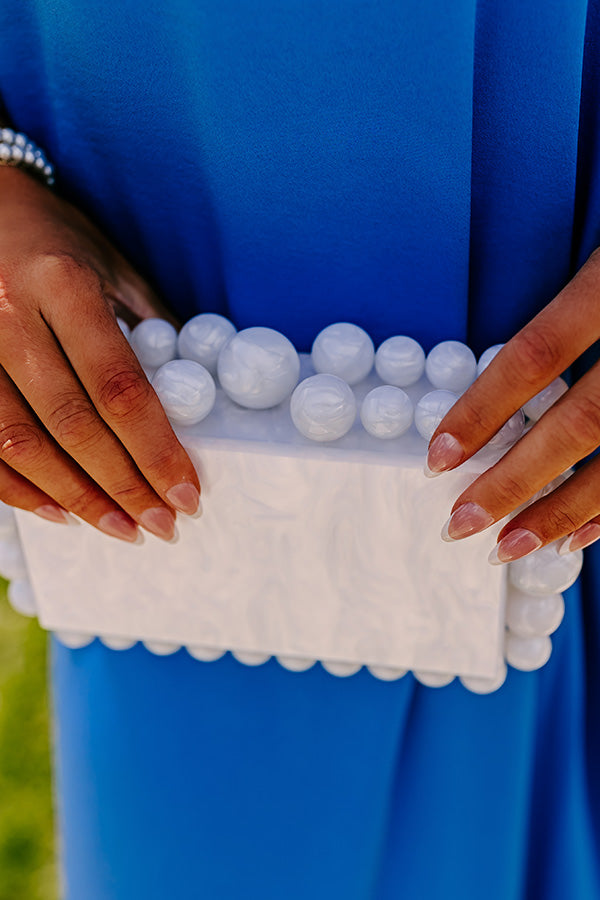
column 80, row 427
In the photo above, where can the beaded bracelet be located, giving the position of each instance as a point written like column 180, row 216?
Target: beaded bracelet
column 16, row 149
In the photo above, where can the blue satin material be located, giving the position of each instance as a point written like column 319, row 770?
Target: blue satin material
column 421, row 167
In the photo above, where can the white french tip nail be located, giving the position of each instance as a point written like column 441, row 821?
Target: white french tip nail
column 445, row 535
column 428, row 473
column 175, row 537
column 493, row 558
column 565, row 546
column 139, row 539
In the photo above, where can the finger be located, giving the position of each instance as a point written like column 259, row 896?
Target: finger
column 543, row 349
column 570, row 428
column 120, row 392
column 35, row 472
column 15, row 490
column 572, row 509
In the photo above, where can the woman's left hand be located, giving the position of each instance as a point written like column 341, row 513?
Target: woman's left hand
column 568, row 432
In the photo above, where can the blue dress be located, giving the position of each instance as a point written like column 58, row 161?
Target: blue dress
column 414, row 166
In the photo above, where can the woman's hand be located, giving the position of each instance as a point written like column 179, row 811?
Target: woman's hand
column 80, row 427
column 567, row 433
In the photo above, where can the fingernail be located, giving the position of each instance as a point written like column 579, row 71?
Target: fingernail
column 581, row 538
column 184, row 497
column 54, row 514
column 159, row 521
column 516, row 544
column 467, row 519
column 444, row 453
column 118, row 524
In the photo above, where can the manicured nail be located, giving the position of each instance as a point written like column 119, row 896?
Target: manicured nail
column 467, row 519
column 581, row 538
column 118, row 524
column 159, row 521
column 184, row 497
column 516, row 544
column 54, row 514
column 444, row 453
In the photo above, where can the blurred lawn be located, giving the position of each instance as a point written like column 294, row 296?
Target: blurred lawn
column 27, row 868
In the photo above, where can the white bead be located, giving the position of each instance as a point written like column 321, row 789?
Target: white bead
column 21, row 597
column 527, row 654
column 487, row 356
column 529, row 615
column 340, row 669
column 117, row 643
column 536, row 407
column 12, row 561
column 387, row 673
column 47, row 171
column 433, row 679
column 484, row 685
column 510, row 432
column 205, row 654
column 161, row 648
column 74, row 640
column 202, row 339
column 16, row 153
column 7, row 134
column 251, row 657
column 5, row 152
column 400, row 361
column 29, row 157
column 20, row 140
column 296, row 663
column 545, row 572
column 154, row 342
column 431, row 409
column 451, row 366
column 323, row 408
column 125, row 329
column 258, row 368
column 387, row 412
column 8, row 522
column 186, row 391
column 344, row 350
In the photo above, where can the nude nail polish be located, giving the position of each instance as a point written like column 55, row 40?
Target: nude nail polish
column 445, row 453
column 184, row 497
column 581, row 538
column 516, row 544
column 160, row 522
column 467, row 519
column 118, row 524
column 54, row 514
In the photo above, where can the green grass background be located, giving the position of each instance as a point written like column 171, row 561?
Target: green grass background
column 27, row 853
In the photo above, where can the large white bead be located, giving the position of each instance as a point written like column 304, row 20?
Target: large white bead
column 323, row 407
column 545, row 572
column 433, row 679
column 387, row 673
column 529, row 615
column 400, row 361
column 154, row 342
column 431, row 409
column 203, row 337
column 480, row 685
column 387, row 412
column 340, row 669
column 21, row 597
column 113, row 642
column 451, row 366
column 186, row 391
column 74, row 640
column 510, row 432
column 258, row 368
column 527, row 654
column 203, row 653
column 161, row 648
column 487, row 356
column 344, row 350
column 251, row 657
column 296, row 663
column 536, row 407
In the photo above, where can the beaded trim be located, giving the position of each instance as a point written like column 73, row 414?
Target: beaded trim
column 16, row 149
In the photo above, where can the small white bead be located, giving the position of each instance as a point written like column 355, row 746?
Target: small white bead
column 258, row 368
column 74, row 640
column 202, row 339
column 39, row 163
column 186, row 391
column 20, row 141
column 487, row 356
column 7, row 134
column 117, row 643
column 21, row 597
column 387, row 412
column 545, row 572
column 251, row 657
column 530, row 615
column 16, row 154
column 29, row 157
column 340, row 669
column 484, row 685
column 203, row 653
column 527, row 654
column 344, row 350
column 433, row 679
column 323, row 408
column 154, row 342
column 47, row 171
column 400, row 361
column 161, row 648
column 296, row 663
column 431, row 409
column 5, row 152
column 387, row 673
column 451, row 366
column 510, row 432
column 536, row 407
